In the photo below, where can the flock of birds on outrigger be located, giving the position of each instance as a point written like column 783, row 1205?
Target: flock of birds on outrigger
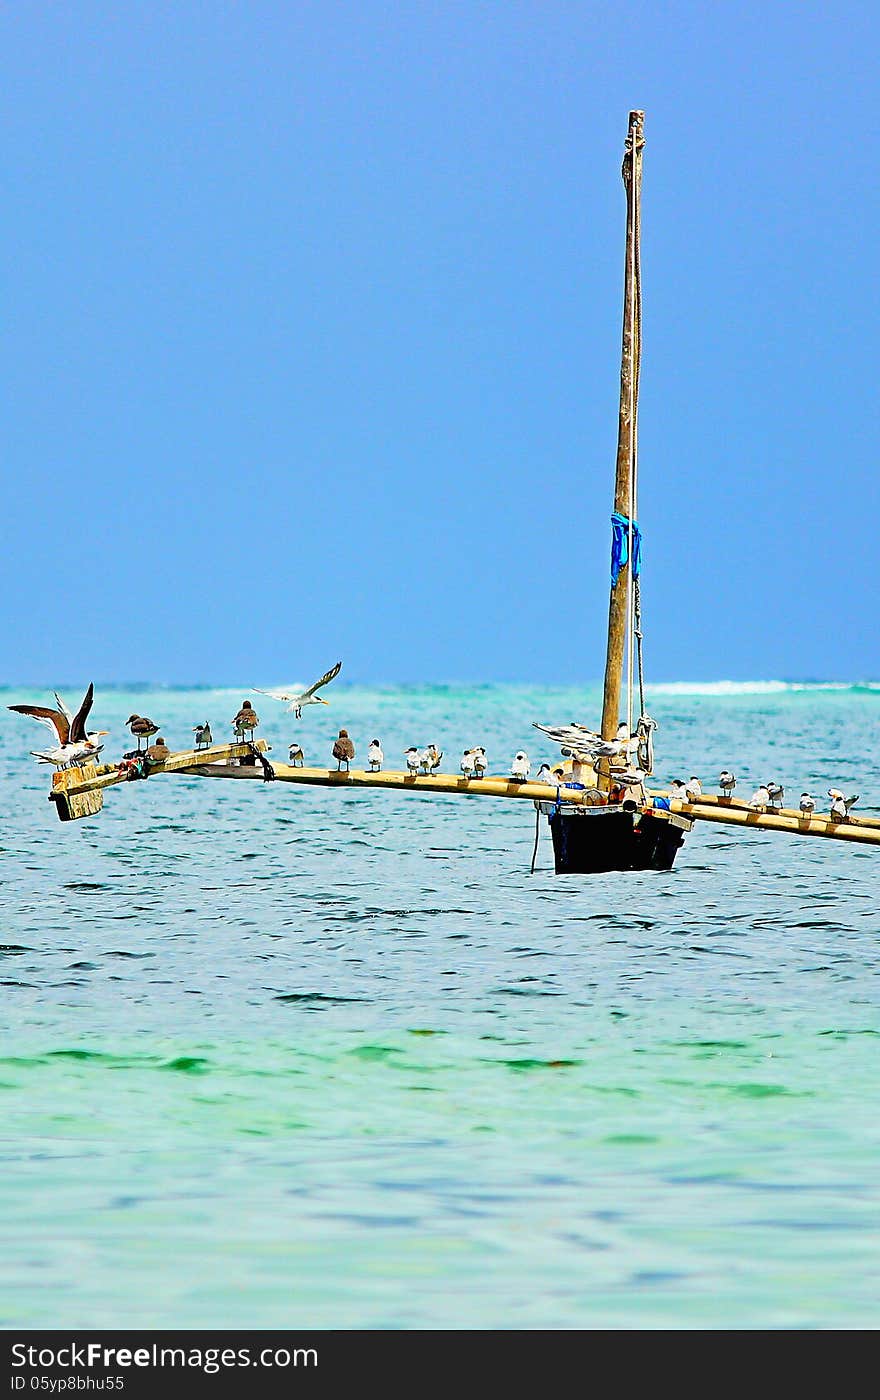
column 630, row 758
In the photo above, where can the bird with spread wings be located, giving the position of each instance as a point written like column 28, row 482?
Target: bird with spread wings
column 578, row 739
column 73, row 742
column 583, row 741
column 297, row 700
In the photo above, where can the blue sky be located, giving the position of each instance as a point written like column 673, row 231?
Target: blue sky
column 312, row 324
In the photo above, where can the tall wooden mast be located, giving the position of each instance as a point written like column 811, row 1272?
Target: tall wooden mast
column 627, row 437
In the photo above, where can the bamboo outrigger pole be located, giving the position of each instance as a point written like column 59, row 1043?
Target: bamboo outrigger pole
column 736, row 804
column 78, row 792
column 627, row 434
column 817, row 824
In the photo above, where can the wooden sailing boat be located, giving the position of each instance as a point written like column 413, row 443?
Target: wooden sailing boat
column 622, row 835
column 598, row 823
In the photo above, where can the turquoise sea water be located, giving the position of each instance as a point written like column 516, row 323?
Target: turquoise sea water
column 280, row 1057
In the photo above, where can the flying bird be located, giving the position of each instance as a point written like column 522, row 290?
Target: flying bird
column 375, row 756
column 584, row 741
column 295, row 755
column 204, row 737
column 413, row 759
column 726, row 781
column 776, row 792
column 468, row 763
column 141, row 728
column 343, row 750
column 480, row 764
column 73, row 743
column 158, row 752
column 296, row 700
column 520, row 768
column 807, row 804
column 246, row 720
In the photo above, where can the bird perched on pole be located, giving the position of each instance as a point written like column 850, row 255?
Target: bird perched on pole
column 840, row 805
column 480, row 764
column 776, row 792
column 807, row 804
column 693, row 789
column 627, row 777
column 158, row 752
column 582, row 769
column 726, row 781
column 141, row 728
column 295, row 755
column 544, row 775
column 203, row 736
column 375, row 756
column 677, row 790
column 343, row 750
column 520, row 768
column 413, row 759
column 73, row 743
column 245, row 721
column 296, row 700
column 760, row 797
column 468, row 764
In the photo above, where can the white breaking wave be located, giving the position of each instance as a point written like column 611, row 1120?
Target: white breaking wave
column 753, row 687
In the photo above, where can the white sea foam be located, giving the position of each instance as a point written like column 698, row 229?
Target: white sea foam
column 753, row 687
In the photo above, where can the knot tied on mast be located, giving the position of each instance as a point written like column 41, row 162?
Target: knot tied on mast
column 620, row 533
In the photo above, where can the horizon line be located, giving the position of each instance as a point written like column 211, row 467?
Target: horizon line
column 774, row 682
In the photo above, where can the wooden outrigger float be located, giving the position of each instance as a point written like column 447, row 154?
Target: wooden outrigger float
column 611, row 821
column 79, row 791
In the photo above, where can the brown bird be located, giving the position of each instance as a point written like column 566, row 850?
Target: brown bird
column 141, row 727
column 343, row 750
column 158, row 752
column 246, row 720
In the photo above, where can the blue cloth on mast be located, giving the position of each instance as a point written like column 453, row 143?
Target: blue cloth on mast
column 620, row 546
